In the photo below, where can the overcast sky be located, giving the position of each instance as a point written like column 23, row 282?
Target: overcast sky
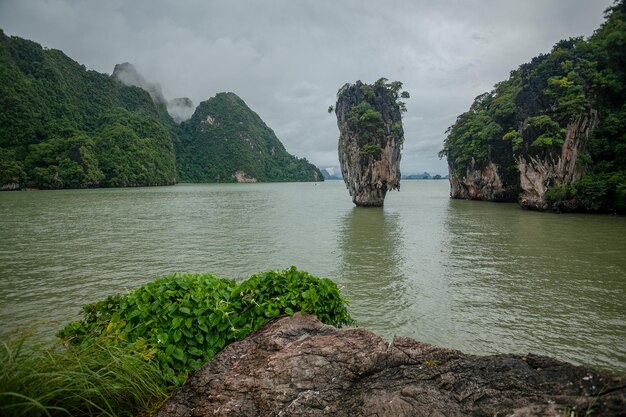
column 287, row 58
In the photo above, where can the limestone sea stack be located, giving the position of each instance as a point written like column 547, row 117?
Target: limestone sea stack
column 369, row 118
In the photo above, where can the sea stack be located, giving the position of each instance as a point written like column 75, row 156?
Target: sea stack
column 369, row 118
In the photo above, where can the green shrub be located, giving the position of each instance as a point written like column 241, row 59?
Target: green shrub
column 594, row 192
column 182, row 320
column 370, row 150
column 559, row 193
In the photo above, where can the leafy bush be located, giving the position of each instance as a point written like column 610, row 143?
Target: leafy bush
column 370, row 150
column 87, row 380
column 274, row 293
column 594, row 192
column 516, row 139
column 182, row 320
column 559, row 193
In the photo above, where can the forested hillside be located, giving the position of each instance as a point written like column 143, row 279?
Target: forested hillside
column 63, row 126
column 225, row 141
column 552, row 136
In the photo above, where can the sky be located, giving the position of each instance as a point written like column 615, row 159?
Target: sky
column 287, row 58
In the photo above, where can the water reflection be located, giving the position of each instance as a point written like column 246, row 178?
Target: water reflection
column 372, row 268
column 521, row 282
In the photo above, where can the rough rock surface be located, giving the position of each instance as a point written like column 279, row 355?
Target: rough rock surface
column 241, row 176
column 481, row 184
column 539, row 173
column 297, row 366
column 368, row 176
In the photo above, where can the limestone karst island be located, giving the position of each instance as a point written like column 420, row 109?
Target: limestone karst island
column 193, row 235
column 370, row 139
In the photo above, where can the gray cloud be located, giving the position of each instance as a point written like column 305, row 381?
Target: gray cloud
column 287, row 58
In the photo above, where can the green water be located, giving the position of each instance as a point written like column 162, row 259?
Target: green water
column 480, row 277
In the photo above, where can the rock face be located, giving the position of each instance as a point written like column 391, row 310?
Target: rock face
column 297, row 366
column 484, row 183
column 539, row 173
column 551, row 136
column 370, row 141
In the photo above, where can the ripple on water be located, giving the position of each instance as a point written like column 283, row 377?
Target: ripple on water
column 480, row 277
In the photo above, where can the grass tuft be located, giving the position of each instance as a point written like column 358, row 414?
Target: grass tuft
column 59, row 380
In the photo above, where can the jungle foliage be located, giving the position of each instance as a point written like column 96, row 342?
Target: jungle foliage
column 63, row 126
column 225, row 136
column 528, row 114
column 367, row 120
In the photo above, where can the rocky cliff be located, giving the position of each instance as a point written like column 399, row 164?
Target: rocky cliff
column 538, row 170
column 297, row 366
column 480, row 183
column 540, row 173
column 370, row 139
column 552, row 136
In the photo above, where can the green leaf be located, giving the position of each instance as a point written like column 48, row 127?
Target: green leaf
column 177, row 335
column 195, row 351
column 178, row 354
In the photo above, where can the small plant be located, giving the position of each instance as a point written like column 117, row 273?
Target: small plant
column 558, row 193
column 370, row 150
column 430, row 363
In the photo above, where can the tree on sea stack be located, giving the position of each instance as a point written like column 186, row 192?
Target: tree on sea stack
column 369, row 118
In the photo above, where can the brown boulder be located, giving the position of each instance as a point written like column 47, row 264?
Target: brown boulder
column 297, row 366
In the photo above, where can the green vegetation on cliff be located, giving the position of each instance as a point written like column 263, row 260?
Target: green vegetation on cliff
column 62, row 126
column 129, row 350
column 528, row 116
column 369, row 124
column 224, row 136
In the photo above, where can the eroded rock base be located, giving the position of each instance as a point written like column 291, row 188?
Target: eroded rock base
column 297, row 366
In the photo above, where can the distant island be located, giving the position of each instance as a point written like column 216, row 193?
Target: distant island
column 424, row 176
column 66, row 127
column 334, row 174
column 331, row 173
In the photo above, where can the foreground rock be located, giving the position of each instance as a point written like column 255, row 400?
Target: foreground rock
column 370, row 139
column 297, row 366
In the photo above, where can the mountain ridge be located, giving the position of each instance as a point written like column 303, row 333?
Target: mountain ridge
column 68, row 127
